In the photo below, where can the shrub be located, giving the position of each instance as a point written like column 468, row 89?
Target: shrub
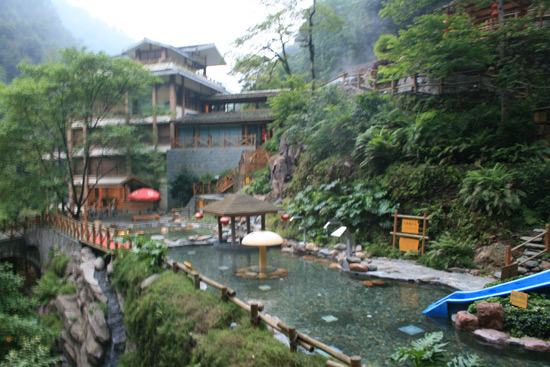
column 260, row 183
column 430, row 351
column 152, row 251
column 490, row 191
column 533, row 321
column 53, row 282
column 449, row 252
column 181, row 187
column 59, row 264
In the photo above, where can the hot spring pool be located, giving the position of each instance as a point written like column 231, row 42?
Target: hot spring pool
column 339, row 310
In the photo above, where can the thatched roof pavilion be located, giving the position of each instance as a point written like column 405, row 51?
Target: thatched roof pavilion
column 239, row 205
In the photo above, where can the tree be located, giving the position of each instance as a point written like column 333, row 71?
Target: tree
column 512, row 53
column 181, row 187
column 268, row 42
column 47, row 102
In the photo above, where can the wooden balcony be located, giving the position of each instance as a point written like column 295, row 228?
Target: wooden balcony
column 218, row 141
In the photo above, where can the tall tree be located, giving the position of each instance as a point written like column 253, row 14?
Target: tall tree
column 47, row 102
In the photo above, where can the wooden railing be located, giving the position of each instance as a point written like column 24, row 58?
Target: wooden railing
column 295, row 337
column 226, row 182
column 218, row 141
column 510, row 250
column 253, row 161
column 104, row 239
column 17, row 227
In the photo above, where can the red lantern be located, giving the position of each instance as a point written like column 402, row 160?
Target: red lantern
column 494, row 14
column 447, row 30
column 199, row 216
column 285, row 216
column 494, row 6
column 225, row 220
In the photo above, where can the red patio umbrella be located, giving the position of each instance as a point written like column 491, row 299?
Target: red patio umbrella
column 145, row 194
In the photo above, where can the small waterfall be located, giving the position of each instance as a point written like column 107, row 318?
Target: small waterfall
column 114, row 320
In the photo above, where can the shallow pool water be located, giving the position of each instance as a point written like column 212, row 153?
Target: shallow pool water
column 339, row 310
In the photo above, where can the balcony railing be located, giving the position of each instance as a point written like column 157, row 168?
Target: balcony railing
column 217, row 141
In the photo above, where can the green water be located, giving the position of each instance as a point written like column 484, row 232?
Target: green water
column 367, row 319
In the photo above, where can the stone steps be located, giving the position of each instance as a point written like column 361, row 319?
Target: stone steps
column 535, row 247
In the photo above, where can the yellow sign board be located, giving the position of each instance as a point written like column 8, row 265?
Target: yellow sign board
column 408, row 244
column 201, row 204
column 519, row 299
column 410, row 226
column 247, row 180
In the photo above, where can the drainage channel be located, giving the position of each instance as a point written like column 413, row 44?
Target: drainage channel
column 114, row 320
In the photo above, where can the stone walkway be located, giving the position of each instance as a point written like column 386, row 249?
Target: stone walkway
column 408, row 270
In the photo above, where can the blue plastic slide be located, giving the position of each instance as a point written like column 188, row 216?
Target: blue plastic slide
column 461, row 300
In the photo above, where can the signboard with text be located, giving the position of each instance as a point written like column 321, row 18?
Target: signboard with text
column 409, row 226
column 408, row 244
column 519, row 299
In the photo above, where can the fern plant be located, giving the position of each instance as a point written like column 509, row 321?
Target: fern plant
column 490, row 191
column 430, row 351
column 449, row 251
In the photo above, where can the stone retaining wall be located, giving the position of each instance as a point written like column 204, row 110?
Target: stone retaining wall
column 46, row 239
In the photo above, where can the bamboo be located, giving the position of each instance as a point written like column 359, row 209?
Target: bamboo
column 508, row 255
column 334, row 364
column 317, row 344
column 529, row 241
column 245, row 306
column 532, row 257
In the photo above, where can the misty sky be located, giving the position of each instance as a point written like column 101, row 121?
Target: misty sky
column 181, row 23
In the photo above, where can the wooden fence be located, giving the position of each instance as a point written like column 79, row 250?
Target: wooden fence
column 104, row 239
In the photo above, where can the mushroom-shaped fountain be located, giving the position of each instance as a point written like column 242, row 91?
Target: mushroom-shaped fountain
column 262, row 239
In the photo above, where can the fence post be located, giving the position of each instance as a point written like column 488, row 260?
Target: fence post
column 547, row 238
column 394, row 228
column 197, row 280
column 293, row 338
column 223, row 292
column 508, row 255
column 355, row 361
column 254, row 314
column 424, row 234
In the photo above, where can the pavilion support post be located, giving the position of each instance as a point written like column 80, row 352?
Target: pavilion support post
column 248, row 224
column 220, row 230
column 233, row 230
column 263, row 258
column 263, row 222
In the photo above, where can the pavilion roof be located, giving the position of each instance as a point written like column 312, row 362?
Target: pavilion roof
column 240, row 205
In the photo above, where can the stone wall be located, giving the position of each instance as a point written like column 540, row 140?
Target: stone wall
column 202, row 160
column 46, row 239
column 86, row 336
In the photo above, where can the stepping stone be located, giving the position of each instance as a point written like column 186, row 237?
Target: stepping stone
column 264, row 287
column 535, row 247
column 223, row 268
column 523, row 239
column 191, row 252
column 329, row 318
column 411, row 330
column 251, row 273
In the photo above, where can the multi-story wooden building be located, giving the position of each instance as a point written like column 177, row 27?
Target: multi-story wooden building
column 185, row 110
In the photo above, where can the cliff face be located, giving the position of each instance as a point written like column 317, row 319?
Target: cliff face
column 86, row 335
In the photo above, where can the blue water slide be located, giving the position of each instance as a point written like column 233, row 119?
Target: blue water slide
column 460, row 300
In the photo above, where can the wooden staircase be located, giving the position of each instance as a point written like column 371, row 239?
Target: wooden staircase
column 531, row 249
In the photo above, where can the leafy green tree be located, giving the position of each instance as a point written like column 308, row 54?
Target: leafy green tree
column 45, row 104
column 20, row 333
column 181, row 187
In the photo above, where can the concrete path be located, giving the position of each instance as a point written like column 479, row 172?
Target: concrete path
column 408, row 270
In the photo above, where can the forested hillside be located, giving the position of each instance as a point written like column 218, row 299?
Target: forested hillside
column 473, row 160
column 33, row 30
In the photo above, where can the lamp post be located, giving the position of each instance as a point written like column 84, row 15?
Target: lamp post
column 303, row 224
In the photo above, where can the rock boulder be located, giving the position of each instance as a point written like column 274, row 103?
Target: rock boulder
column 466, row 321
column 490, row 315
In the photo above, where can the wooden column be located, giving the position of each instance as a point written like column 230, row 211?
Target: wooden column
column 220, row 230
column 254, row 314
column 233, row 230
column 155, row 127
column 508, row 255
column 172, row 91
column 183, row 97
column 263, row 222
column 394, row 228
